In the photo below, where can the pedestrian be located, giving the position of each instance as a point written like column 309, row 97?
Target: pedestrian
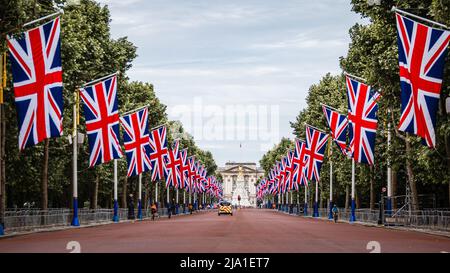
column 153, row 210
column 190, row 208
column 131, row 208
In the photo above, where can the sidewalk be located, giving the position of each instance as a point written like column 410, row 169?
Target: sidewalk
column 421, row 230
column 9, row 234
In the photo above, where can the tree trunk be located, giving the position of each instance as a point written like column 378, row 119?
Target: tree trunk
column 95, row 195
column 347, row 196
column 372, row 191
column 412, row 182
column 394, row 189
column 44, row 178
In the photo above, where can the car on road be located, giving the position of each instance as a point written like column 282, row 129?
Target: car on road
column 225, row 207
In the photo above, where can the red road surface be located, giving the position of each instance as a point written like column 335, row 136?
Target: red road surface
column 248, row 230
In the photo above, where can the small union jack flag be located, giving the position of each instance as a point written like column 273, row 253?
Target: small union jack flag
column 290, row 172
column 362, row 118
column 421, row 55
column 299, row 162
column 36, row 68
column 316, row 144
column 338, row 126
column 158, row 153
column 136, row 142
column 102, row 120
column 192, row 174
column 173, row 163
column 184, row 170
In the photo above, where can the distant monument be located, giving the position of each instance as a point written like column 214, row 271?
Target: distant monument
column 239, row 179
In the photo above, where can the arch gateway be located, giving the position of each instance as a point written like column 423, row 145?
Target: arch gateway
column 239, row 179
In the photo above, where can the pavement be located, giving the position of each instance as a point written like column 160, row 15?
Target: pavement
column 247, row 231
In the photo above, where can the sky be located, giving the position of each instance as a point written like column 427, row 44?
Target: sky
column 235, row 73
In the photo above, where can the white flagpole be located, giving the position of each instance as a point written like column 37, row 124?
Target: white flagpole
column 116, row 204
column 75, row 221
column 352, row 214
column 156, row 194
column 140, row 197
column 316, row 204
column 389, row 172
column 168, row 196
column 330, row 214
column 395, row 9
column 43, row 18
column 306, row 201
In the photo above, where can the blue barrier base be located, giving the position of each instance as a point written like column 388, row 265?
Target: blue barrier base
column 116, row 211
column 75, row 221
column 139, row 214
column 388, row 206
column 2, row 231
column 316, row 210
column 352, row 214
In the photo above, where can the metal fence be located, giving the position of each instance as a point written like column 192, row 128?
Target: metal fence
column 32, row 219
column 423, row 219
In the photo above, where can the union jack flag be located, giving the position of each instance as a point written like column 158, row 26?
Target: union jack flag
column 102, row 120
column 158, row 153
column 283, row 174
column 316, row 144
column 36, row 68
column 173, row 163
column 290, row 168
column 421, row 55
column 136, row 142
column 192, row 174
column 184, row 170
column 299, row 162
column 338, row 126
column 362, row 117
column 277, row 171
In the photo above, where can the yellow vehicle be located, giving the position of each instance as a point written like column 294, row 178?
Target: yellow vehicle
column 225, row 208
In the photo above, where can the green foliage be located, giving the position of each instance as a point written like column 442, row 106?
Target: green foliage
column 88, row 52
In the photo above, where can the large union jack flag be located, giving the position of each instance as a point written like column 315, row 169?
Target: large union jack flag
column 173, row 163
column 299, row 162
column 338, row 126
column 136, row 142
column 316, row 144
column 421, row 55
column 362, row 118
column 102, row 120
column 158, row 153
column 36, row 68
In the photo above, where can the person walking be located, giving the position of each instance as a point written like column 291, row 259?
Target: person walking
column 131, row 215
column 154, row 209
column 335, row 212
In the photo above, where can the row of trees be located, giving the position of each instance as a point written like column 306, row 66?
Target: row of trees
column 373, row 55
column 42, row 174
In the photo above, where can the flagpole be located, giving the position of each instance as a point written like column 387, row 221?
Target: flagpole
column 43, row 18
column 389, row 172
column 352, row 215
column 316, row 205
column 355, row 77
column 116, row 203
column 156, row 194
column 75, row 221
column 135, row 110
column 330, row 214
column 306, row 201
column 168, row 196
column 100, row 79
column 139, row 216
column 395, row 9
column 176, row 206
